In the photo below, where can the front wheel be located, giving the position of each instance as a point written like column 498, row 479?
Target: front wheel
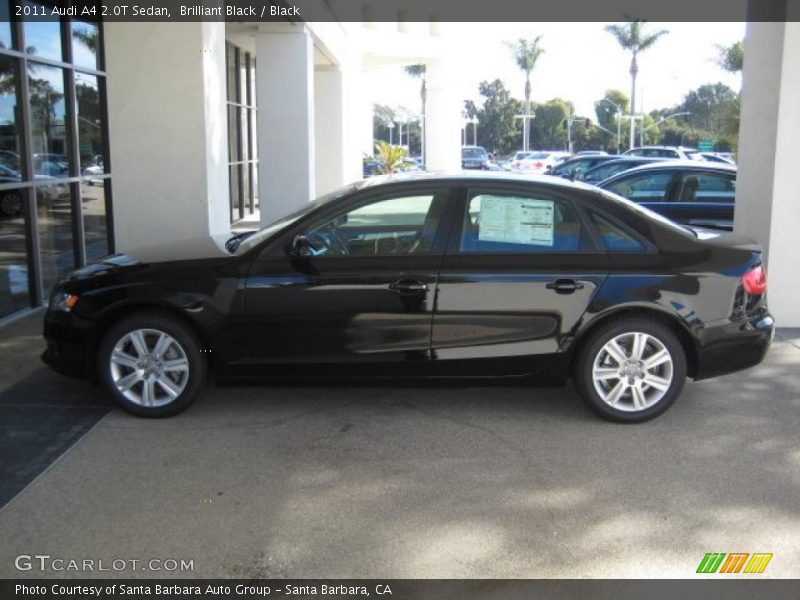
column 151, row 365
column 631, row 370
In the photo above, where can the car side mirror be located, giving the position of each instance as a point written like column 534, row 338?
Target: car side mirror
column 301, row 246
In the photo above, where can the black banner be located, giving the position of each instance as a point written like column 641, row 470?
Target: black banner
column 399, row 589
column 281, row 11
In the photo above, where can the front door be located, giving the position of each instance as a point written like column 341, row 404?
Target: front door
column 361, row 297
column 519, row 273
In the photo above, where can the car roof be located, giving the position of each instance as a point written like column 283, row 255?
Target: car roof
column 684, row 165
column 409, row 178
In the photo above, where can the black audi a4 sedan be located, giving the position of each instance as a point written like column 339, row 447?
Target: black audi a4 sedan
column 471, row 276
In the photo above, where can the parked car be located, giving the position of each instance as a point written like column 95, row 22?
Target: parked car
column 694, row 193
column 475, row 157
column 91, row 172
column 675, row 152
column 537, row 163
column 370, row 167
column 532, row 277
column 573, row 168
column 591, row 153
column 720, row 157
column 606, row 169
column 11, row 200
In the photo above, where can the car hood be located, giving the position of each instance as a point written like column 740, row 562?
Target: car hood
column 174, row 252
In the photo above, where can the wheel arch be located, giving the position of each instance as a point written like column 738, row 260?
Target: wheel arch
column 117, row 312
column 655, row 312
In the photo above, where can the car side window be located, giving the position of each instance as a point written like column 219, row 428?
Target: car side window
column 643, row 187
column 405, row 224
column 615, row 238
column 708, row 187
column 506, row 223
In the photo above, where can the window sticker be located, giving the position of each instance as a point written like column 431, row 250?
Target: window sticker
column 516, row 220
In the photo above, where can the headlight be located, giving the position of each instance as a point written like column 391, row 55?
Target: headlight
column 63, row 301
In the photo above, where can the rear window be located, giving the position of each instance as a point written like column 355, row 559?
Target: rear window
column 536, row 156
column 473, row 152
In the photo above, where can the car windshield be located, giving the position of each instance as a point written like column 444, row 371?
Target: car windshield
column 646, row 212
column 266, row 232
column 473, row 153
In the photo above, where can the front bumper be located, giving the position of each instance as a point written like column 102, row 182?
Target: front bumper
column 734, row 345
column 67, row 349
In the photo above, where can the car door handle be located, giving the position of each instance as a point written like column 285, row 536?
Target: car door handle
column 564, row 286
column 406, row 286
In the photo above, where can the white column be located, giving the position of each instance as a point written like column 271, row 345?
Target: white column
column 444, row 116
column 168, row 133
column 285, row 91
column 769, row 165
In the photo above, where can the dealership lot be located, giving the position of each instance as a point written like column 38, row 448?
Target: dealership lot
column 403, row 481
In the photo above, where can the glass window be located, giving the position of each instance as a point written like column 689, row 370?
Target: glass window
column 708, row 187
column 404, row 225
column 90, row 123
column 6, row 39
column 615, row 238
column 234, row 155
column 252, row 81
column 230, row 57
column 9, row 127
column 643, row 187
column 95, row 224
column 42, row 32
column 235, row 191
column 503, row 223
column 48, row 120
column 85, row 42
column 13, row 252
column 56, row 244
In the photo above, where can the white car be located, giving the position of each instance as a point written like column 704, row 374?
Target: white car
column 538, row 162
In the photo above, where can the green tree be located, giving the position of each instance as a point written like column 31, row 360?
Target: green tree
column 389, row 156
column 606, row 112
column 499, row 129
column 382, row 115
column 710, row 105
column 549, row 128
column 419, row 72
column 526, row 54
column 633, row 37
column 731, row 58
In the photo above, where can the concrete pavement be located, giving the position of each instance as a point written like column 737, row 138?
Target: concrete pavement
column 447, row 481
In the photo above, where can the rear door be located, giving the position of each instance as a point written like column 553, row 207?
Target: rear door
column 518, row 273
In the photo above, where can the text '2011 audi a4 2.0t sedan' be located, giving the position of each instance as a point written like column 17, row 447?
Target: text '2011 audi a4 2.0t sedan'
column 484, row 275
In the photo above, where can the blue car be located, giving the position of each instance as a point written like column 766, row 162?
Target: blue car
column 700, row 194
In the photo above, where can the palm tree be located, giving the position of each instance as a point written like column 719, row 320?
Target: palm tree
column 390, row 157
column 526, row 54
column 418, row 71
column 633, row 37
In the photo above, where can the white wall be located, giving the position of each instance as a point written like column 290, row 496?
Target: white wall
column 168, row 132
column 767, row 206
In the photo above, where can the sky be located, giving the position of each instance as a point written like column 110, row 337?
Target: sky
column 581, row 61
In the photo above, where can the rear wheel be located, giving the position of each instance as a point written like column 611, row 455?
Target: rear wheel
column 10, row 204
column 151, row 365
column 631, row 370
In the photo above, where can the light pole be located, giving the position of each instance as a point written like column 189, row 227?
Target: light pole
column 619, row 120
column 526, row 124
column 667, row 118
column 474, row 122
column 390, row 125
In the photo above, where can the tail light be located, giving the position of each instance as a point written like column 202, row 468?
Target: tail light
column 515, row 164
column 754, row 281
column 538, row 165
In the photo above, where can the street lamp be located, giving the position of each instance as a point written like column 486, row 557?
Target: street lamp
column 474, row 122
column 390, row 125
column 619, row 119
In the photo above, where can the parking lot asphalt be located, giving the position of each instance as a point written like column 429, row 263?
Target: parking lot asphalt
column 445, row 481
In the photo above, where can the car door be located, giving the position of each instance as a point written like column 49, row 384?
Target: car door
column 705, row 199
column 518, row 274
column 360, row 296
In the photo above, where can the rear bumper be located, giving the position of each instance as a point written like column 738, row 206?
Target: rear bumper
column 734, row 345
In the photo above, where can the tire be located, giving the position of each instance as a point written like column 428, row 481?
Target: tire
column 632, row 391
column 10, row 204
column 157, row 369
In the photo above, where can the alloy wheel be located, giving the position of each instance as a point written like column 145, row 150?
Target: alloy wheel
column 149, row 367
column 632, row 371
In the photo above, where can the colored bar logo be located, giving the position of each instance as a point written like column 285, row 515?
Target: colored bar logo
column 734, row 562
